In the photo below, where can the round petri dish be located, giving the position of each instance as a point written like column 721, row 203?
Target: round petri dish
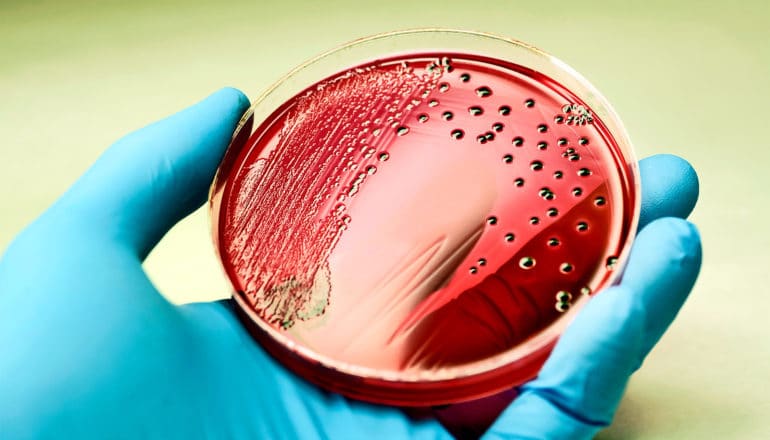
column 413, row 218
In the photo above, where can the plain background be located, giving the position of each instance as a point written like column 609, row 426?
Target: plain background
column 687, row 77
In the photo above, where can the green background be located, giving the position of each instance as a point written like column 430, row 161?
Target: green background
column 687, row 77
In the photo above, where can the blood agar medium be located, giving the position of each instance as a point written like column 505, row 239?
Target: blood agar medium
column 414, row 218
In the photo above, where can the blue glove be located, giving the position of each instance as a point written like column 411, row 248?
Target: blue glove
column 89, row 349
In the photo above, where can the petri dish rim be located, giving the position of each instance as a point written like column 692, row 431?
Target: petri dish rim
column 514, row 366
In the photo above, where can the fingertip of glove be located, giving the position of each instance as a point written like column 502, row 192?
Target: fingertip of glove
column 670, row 187
column 679, row 236
column 665, row 260
column 234, row 95
column 229, row 98
column 671, row 164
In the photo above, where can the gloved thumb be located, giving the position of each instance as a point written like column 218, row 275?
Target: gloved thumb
column 152, row 178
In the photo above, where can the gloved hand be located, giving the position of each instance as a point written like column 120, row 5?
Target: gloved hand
column 89, row 349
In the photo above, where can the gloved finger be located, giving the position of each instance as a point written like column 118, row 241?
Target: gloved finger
column 580, row 386
column 669, row 188
column 152, row 178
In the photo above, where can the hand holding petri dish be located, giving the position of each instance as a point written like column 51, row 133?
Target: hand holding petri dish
column 412, row 219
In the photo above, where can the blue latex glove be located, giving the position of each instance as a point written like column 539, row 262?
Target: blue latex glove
column 89, row 349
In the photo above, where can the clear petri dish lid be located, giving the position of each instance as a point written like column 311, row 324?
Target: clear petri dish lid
column 413, row 218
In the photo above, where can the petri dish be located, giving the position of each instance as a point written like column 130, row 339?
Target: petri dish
column 413, row 218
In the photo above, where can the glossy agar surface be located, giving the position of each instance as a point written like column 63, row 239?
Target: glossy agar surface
column 414, row 230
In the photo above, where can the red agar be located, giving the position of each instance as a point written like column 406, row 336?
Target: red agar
column 397, row 230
